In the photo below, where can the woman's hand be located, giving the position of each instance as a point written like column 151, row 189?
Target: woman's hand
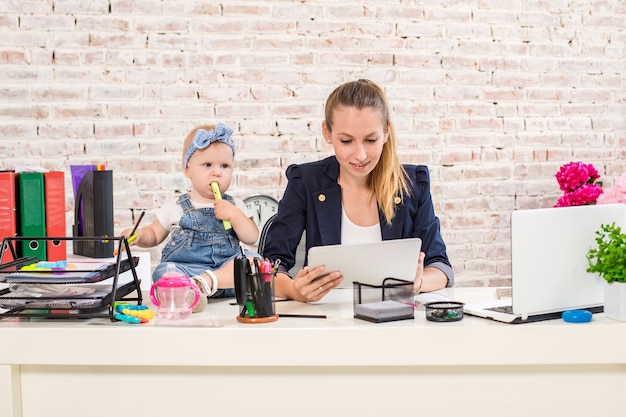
column 308, row 286
column 419, row 273
column 429, row 278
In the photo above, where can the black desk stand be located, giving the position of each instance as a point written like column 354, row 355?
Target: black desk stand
column 66, row 307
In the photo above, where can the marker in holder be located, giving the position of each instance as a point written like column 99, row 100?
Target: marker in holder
column 254, row 290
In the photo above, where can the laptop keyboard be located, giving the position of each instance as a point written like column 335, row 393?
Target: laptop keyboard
column 502, row 309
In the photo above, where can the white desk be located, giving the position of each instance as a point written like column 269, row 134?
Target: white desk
column 307, row 367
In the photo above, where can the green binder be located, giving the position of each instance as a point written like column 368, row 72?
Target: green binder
column 32, row 214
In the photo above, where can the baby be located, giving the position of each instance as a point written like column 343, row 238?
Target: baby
column 206, row 225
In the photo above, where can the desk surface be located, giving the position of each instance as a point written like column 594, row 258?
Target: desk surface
column 314, row 342
column 474, row 367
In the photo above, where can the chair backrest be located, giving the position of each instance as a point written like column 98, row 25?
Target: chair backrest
column 263, row 235
column 300, row 251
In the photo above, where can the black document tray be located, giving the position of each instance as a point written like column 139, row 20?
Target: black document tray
column 11, row 273
column 99, row 298
column 96, row 289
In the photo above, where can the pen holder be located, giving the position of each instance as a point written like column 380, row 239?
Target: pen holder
column 391, row 301
column 254, row 291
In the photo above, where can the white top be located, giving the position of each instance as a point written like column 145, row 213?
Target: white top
column 353, row 234
column 170, row 213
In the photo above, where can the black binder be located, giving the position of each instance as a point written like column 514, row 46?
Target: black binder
column 93, row 214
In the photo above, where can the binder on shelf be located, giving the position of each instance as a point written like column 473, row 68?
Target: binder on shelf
column 8, row 215
column 31, row 213
column 54, row 196
column 93, row 215
column 77, row 172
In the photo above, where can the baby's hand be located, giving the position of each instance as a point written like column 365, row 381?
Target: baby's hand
column 224, row 210
column 126, row 234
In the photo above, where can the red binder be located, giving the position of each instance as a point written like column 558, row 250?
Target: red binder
column 8, row 219
column 54, row 198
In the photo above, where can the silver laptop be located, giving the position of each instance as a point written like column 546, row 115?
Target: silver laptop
column 549, row 263
column 369, row 263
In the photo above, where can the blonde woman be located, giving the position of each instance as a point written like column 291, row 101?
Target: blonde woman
column 361, row 194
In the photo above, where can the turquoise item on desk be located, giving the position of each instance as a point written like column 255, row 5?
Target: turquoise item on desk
column 577, row 316
column 127, row 318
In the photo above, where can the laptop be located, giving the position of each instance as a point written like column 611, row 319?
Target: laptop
column 549, row 264
column 369, row 263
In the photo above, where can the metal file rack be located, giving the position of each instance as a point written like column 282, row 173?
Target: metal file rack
column 99, row 305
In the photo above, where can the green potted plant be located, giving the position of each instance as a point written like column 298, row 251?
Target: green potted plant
column 608, row 259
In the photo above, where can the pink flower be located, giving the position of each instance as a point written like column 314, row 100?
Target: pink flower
column 620, row 185
column 578, row 181
column 576, row 174
column 616, row 194
column 582, row 196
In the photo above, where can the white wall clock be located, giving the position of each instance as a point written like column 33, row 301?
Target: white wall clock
column 261, row 207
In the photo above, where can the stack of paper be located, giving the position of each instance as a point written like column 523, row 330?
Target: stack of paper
column 384, row 311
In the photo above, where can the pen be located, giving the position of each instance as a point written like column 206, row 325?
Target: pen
column 132, row 236
column 277, row 300
column 305, row 316
column 260, row 298
column 266, row 270
column 132, row 232
column 250, row 308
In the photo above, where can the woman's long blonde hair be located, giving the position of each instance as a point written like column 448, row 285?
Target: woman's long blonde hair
column 388, row 180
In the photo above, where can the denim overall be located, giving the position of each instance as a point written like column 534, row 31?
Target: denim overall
column 199, row 243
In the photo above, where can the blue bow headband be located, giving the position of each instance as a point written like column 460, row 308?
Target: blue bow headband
column 204, row 138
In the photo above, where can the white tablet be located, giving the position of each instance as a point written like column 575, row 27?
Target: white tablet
column 369, row 263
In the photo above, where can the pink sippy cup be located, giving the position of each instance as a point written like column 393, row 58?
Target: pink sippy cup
column 172, row 294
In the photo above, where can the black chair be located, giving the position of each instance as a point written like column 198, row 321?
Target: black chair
column 300, row 251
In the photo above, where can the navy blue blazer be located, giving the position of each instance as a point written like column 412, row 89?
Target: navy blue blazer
column 312, row 203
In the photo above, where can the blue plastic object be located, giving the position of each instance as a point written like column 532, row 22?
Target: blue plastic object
column 576, row 316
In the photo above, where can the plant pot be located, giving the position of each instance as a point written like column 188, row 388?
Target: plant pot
column 615, row 301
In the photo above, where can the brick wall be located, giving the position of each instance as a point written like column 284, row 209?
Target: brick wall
column 493, row 96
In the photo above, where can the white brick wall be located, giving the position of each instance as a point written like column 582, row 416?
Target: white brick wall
column 493, row 96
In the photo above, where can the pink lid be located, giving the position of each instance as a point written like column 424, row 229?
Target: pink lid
column 180, row 280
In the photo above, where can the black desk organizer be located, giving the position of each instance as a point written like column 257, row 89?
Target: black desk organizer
column 254, row 292
column 398, row 291
column 68, row 306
